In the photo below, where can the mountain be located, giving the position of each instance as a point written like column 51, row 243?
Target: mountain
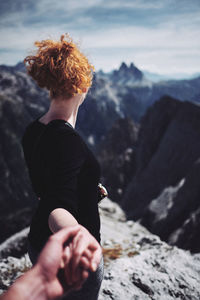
column 123, row 94
column 134, row 93
column 20, row 102
column 164, row 191
column 127, row 75
column 155, row 77
column 138, row 265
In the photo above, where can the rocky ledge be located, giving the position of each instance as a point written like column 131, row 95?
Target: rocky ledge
column 138, row 265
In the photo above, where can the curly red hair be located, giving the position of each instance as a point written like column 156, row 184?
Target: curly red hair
column 60, row 67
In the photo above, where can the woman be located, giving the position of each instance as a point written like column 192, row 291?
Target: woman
column 63, row 171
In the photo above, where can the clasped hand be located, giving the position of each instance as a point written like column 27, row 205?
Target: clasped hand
column 68, row 258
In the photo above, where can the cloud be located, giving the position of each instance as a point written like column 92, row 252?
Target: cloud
column 153, row 34
column 137, row 4
column 163, row 50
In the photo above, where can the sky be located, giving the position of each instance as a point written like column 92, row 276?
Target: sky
column 160, row 36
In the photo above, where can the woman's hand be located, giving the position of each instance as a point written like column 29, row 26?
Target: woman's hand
column 82, row 256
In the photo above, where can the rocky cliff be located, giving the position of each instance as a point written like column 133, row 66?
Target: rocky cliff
column 20, row 102
column 164, row 192
column 138, row 265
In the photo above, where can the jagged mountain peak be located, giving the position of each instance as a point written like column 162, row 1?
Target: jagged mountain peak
column 132, row 69
column 123, row 66
column 128, row 75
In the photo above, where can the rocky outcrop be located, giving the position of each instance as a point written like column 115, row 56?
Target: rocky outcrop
column 138, row 265
column 164, row 192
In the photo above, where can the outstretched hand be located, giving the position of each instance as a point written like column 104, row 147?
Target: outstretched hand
column 63, row 265
column 81, row 257
column 67, row 258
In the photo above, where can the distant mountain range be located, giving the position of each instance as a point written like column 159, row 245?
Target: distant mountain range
column 155, row 77
column 135, row 93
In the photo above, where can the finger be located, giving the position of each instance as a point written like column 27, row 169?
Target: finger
column 96, row 259
column 66, row 257
column 93, row 245
column 87, row 253
column 84, row 263
column 64, row 234
column 79, row 245
column 67, row 268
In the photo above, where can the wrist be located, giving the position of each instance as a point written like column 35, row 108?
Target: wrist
column 30, row 286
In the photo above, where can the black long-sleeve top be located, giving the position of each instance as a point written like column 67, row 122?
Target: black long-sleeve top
column 64, row 174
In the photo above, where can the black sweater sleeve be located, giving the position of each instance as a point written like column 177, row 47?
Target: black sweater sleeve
column 64, row 156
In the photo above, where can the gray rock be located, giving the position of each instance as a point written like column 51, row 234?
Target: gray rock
column 16, row 245
column 164, row 191
column 138, row 265
column 145, row 267
column 14, row 260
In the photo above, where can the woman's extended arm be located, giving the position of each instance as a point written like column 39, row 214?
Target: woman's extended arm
column 60, row 218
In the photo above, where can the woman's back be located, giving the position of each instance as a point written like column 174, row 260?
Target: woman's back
column 64, row 173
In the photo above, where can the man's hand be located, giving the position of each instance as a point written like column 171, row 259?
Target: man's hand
column 49, row 261
column 63, row 265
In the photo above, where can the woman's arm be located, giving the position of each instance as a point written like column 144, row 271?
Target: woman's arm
column 60, row 218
